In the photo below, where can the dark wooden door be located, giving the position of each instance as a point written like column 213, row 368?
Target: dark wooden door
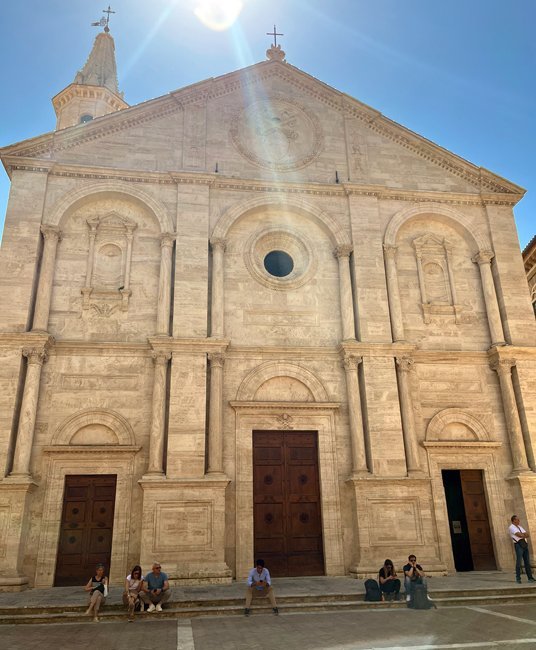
column 476, row 512
column 287, row 512
column 86, row 528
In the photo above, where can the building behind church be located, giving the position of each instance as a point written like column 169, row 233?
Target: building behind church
column 255, row 317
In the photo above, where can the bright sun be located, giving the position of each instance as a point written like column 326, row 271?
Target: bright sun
column 218, row 14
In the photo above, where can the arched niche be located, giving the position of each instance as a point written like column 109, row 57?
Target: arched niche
column 455, row 425
column 101, row 426
column 305, row 385
column 290, row 203
column 71, row 201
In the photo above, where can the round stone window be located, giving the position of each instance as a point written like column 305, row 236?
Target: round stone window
column 279, row 258
column 278, row 263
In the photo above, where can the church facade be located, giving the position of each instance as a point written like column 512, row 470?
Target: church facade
column 255, row 317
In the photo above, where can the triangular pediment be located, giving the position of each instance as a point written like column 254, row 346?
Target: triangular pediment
column 379, row 148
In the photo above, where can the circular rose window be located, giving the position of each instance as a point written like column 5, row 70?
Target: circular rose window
column 279, row 258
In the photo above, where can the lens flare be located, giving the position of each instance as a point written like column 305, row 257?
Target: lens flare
column 218, row 15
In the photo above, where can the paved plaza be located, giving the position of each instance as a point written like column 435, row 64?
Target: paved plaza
column 511, row 627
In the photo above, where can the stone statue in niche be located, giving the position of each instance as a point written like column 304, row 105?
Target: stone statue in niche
column 107, row 285
column 436, row 277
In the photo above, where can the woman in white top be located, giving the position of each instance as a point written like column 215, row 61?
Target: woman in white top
column 133, row 586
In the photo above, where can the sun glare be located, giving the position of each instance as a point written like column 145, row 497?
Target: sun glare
column 218, row 15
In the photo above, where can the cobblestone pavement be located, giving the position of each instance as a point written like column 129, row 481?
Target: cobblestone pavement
column 510, row 627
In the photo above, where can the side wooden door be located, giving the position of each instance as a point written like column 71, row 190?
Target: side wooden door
column 287, row 509
column 86, row 528
column 476, row 512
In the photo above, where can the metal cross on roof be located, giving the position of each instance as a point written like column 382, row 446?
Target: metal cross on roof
column 275, row 34
column 103, row 22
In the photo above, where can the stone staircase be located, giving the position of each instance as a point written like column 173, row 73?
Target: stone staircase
column 231, row 606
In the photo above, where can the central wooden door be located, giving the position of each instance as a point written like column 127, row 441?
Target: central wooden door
column 86, row 528
column 287, row 512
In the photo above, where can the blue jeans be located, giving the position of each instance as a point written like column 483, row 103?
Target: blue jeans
column 522, row 554
column 410, row 584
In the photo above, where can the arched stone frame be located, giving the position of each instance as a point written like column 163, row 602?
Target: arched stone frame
column 272, row 369
column 447, row 416
column 114, row 421
column 336, row 232
column 70, row 201
column 64, row 460
column 300, row 416
column 300, row 205
column 481, row 456
column 483, row 254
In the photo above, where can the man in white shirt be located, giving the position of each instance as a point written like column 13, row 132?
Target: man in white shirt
column 260, row 586
column 519, row 536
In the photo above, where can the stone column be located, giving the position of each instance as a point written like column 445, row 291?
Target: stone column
column 52, row 236
column 357, row 434
column 342, row 253
column 405, row 367
column 164, row 284
column 215, row 414
column 503, row 367
column 393, row 292
column 156, row 439
column 218, row 250
column 25, row 434
column 483, row 259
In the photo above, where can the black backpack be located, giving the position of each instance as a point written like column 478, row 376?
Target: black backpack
column 420, row 598
column 372, row 591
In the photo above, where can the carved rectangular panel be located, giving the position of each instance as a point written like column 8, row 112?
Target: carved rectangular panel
column 383, row 515
column 183, row 526
column 4, row 522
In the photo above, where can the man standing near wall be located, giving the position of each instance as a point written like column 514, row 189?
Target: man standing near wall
column 519, row 536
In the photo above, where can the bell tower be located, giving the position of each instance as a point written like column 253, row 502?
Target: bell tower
column 94, row 91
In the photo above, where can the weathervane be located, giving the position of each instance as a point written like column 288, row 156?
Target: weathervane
column 275, row 34
column 103, row 22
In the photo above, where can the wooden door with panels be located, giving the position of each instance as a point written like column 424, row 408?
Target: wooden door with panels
column 287, row 508
column 86, row 528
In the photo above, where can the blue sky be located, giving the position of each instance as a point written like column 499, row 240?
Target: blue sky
column 461, row 73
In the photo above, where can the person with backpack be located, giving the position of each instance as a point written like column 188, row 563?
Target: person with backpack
column 413, row 575
column 389, row 581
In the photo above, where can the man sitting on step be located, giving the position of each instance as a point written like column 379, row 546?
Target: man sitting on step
column 259, row 586
column 413, row 575
column 156, row 589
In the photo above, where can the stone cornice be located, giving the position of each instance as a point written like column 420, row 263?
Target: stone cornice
column 219, row 182
column 473, row 445
column 278, row 407
column 109, row 450
column 184, row 483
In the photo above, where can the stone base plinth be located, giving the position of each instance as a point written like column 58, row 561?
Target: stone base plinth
column 183, row 529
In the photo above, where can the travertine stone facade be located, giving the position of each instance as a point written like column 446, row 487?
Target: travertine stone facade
column 142, row 335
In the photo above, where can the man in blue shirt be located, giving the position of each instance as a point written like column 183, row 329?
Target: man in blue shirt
column 156, row 589
column 260, row 586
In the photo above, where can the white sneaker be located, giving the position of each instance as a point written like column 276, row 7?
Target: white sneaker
column 159, row 607
column 151, row 608
column 408, row 598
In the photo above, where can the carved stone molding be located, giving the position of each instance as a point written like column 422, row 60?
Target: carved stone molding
column 35, row 356
column 483, row 257
column 351, row 362
column 502, row 366
column 390, row 251
column 167, row 239
column 405, row 364
column 51, row 232
column 217, row 359
column 343, row 251
column 284, row 421
column 218, row 243
column 160, row 357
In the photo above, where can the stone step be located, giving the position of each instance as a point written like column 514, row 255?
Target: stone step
column 232, row 608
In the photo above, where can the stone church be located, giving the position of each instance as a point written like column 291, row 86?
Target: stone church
column 255, row 317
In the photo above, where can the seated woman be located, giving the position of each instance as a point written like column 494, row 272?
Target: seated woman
column 389, row 583
column 98, row 590
column 133, row 586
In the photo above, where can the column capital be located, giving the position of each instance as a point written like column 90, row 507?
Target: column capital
column 351, row 361
column 502, row 366
column 217, row 359
column 343, row 250
column 405, row 364
column 483, row 257
column 51, row 233
column 218, row 242
column 167, row 239
column 35, row 356
column 160, row 357
column 390, row 251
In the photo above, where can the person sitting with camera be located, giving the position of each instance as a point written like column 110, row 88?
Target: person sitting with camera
column 413, row 575
column 389, row 582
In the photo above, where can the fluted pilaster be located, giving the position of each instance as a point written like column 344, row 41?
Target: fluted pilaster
column 342, row 253
column 52, row 236
column 164, row 284
column 215, row 414
column 404, row 372
column 217, row 305
column 483, row 259
column 357, row 434
column 393, row 293
column 156, row 439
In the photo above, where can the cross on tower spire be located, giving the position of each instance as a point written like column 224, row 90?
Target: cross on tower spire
column 103, row 22
column 275, row 34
